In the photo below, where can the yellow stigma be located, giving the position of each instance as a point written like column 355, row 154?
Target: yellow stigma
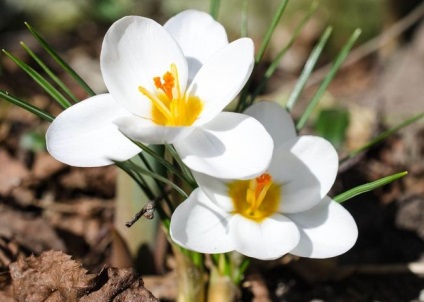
column 255, row 199
column 169, row 106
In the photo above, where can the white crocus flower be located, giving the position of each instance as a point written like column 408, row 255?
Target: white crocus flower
column 285, row 210
column 167, row 85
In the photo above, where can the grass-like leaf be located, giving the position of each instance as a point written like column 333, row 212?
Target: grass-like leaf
column 276, row 62
column 368, row 187
column 307, row 69
column 243, row 31
column 50, row 73
column 40, row 80
column 384, row 135
column 133, row 167
column 60, row 61
column 161, row 160
column 330, row 75
column 27, row 106
column 270, row 30
column 214, row 8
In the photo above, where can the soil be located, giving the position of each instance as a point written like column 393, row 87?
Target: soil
column 46, row 206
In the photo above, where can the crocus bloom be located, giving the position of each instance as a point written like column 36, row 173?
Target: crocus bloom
column 284, row 210
column 167, row 85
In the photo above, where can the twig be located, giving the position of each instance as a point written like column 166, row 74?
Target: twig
column 148, row 212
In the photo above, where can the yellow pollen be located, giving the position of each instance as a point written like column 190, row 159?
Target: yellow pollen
column 169, row 106
column 255, row 199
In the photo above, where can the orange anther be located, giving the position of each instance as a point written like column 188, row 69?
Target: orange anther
column 167, row 85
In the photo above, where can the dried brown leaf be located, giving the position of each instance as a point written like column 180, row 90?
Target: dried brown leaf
column 54, row 276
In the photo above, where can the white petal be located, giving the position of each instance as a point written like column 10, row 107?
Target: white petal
column 222, row 77
column 199, row 225
column 270, row 239
column 145, row 131
column 230, row 146
column 198, row 35
column 300, row 189
column 319, row 156
column 327, row 230
column 84, row 135
column 134, row 51
column 276, row 120
column 216, row 189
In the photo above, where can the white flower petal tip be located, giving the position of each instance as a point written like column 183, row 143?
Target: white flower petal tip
column 222, row 77
column 230, row 146
column 266, row 240
column 327, row 230
column 276, row 120
column 319, row 157
column 198, row 35
column 198, row 225
column 135, row 50
column 84, row 135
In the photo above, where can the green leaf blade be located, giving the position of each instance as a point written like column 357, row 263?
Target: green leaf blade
column 50, row 73
column 368, row 187
column 328, row 78
column 307, row 69
column 40, row 80
column 25, row 105
column 60, row 61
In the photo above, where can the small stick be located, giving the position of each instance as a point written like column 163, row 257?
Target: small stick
column 148, row 212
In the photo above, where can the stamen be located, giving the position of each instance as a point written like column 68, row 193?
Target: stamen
column 170, row 107
column 157, row 102
column 256, row 192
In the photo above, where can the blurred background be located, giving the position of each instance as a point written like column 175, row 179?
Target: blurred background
column 46, row 205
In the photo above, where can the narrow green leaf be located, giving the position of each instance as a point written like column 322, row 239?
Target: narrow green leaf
column 161, row 160
column 159, row 185
column 307, row 69
column 214, row 8
column 270, row 30
column 188, row 176
column 241, row 270
column 384, row 135
column 243, row 32
column 40, row 80
column 368, row 187
column 60, row 61
column 27, row 106
column 130, row 165
column 276, row 62
column 50, row 73
column 323, row 87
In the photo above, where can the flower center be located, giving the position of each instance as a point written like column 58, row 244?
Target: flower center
column 255, row 199
column 170, row 107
